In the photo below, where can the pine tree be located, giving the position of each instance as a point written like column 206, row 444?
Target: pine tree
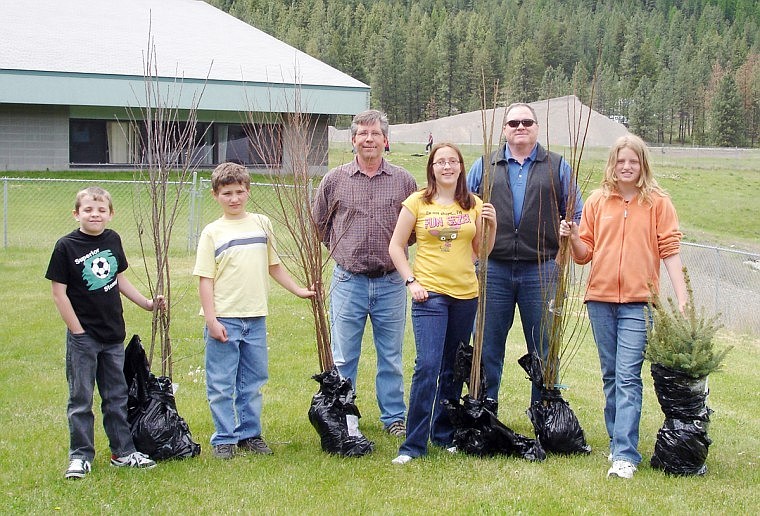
column 642, row 113
column 726, row 121
column 683, row 342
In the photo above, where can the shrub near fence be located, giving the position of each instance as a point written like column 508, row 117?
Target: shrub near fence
column 36, row 212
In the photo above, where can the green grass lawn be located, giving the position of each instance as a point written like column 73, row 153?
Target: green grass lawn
column 299, row 478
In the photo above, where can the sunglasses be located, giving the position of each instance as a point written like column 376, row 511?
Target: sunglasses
column 516, row 123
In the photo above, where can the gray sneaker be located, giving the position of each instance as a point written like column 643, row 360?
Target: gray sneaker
column 133, row 460
column 255, row 445
column 223, row 451
column 396, row 429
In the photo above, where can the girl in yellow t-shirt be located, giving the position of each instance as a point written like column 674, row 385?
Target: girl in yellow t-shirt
column 447, row 221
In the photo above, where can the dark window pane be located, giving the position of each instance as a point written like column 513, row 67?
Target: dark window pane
column 260, row 144
column 88, row 142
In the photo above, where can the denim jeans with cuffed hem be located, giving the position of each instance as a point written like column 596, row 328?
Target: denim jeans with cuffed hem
column 236, row 371
column 353, row 298
column 87, row 362
column 528, row 286
column 620, row 334
column 440, row 323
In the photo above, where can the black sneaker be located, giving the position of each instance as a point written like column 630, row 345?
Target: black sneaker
column 223, row 451
column 255, row 445
column 78, row 468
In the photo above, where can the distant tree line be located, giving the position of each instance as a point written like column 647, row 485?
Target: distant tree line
column 680, row 71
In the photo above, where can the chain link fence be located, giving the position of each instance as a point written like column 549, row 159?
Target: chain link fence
column 36, row 212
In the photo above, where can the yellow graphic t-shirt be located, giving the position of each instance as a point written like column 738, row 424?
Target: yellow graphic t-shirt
column 444, row 259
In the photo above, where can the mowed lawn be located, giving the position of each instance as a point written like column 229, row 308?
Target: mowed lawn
column 299, row 478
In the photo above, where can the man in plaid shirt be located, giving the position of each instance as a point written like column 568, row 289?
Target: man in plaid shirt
column 356, row 207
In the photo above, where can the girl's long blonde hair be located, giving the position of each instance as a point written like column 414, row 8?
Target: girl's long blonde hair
column 647, row 184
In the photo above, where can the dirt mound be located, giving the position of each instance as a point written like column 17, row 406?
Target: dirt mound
column 561, row 121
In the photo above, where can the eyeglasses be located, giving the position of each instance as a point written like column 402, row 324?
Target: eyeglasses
column 516, row 123
column 442, row 163
column 374, row 134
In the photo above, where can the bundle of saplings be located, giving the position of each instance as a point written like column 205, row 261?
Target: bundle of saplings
column 682, row 351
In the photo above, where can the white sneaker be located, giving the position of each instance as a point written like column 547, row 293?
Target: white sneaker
column 78, row 468
column 401, row 459
column 621, row 469
column 133, row 460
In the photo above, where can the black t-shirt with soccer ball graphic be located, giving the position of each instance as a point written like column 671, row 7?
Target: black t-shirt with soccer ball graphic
column 88, row 266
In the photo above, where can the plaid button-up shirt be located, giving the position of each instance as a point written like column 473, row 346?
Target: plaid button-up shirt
column 356, row 214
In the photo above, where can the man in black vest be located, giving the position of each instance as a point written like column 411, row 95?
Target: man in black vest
column 530, row 192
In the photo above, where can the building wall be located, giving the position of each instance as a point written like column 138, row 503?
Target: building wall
column 37, row 138
column 315, row 137
column 34, row 137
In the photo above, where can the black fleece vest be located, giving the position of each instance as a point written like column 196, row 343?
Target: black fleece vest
column 537, row 238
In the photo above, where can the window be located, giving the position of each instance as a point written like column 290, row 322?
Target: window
column 101, row 142
column 260, row 144
column 88, row 142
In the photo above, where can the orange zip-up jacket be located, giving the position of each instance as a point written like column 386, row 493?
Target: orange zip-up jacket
column 626, row 241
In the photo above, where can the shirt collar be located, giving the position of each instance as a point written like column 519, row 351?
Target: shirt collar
column 531, row 156
column 384, row 168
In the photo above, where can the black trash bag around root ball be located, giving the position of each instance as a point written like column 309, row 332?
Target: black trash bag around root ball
column 477, row 430
column 156, row 426
column 682, row 443
column 554, row 422
column 680, row 396
column 335, row 416
column 681, row 447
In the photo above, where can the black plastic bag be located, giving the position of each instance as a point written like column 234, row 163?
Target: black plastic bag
column 554, row 422
column 680, row 395
column 681, row 448
column 477, row 430
column 335, row 416
column 682, row 443
column 156, row 426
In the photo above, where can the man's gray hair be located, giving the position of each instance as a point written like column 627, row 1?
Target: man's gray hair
column 517, row 105
column 369, row 117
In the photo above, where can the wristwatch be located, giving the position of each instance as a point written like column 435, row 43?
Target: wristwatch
column 410, row 280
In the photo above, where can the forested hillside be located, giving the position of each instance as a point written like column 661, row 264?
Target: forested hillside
column 681, row 71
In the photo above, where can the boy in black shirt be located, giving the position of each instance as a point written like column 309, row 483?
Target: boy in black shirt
column 86, row 270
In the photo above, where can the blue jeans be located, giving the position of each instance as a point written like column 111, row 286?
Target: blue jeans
column 440, row 324
column 353, row 298
column 528, row 286
column 89, row 361
column 621, row 336
column 236, row 371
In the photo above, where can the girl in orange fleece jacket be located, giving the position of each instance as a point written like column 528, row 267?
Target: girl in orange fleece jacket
column 628, row 225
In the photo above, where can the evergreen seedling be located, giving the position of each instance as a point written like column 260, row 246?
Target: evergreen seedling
column 683, row 341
